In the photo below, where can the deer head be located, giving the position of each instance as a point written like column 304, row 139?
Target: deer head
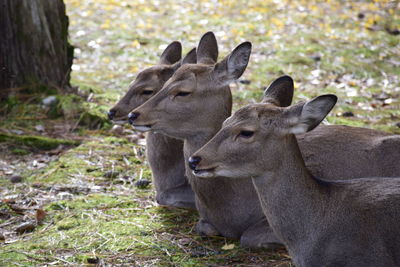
column 197, row 98
column 149, row 81
column 250, row 141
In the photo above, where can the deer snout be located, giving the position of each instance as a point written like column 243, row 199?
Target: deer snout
column 133, row 116
column 111, row 114
column 193, row 162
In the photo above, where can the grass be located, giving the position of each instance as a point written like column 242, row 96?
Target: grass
column 94, row 217
column 35, row 142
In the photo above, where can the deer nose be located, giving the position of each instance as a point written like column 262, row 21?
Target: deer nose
column 193, row 162
column 111, row 114
column 133, row 116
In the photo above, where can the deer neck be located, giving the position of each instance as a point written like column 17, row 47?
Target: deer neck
column 289, row 195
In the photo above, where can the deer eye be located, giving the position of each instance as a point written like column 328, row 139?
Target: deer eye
column 181, row 93
column 246, row 134
column 147, row 92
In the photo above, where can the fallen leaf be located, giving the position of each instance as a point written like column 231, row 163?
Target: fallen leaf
column 40, row 215
column 228, row 246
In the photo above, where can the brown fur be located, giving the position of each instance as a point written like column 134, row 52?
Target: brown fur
column 339, row 223
column 228, row 208
column 165, row 154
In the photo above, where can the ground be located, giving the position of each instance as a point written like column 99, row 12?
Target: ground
column 68, row 180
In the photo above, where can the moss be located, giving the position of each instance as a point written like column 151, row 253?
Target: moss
column 71, row 106
column 67, row 224
column 9, row 104
column 92, row 120
column 20, row 151
column 35, row 142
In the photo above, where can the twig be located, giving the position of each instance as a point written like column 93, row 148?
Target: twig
column 67, row 262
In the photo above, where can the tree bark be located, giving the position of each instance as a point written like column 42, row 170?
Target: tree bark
column 34, row 48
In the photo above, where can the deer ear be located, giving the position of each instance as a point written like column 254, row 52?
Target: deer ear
column 311, row 114
column 280, row 92
column 233, row 66
column 207, row 50
column 171, row 54
column 190, row 58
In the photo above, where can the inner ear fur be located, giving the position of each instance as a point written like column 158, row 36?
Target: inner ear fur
column 233, row 66
column 304, row 117
column 171, row 54
column 280, row 92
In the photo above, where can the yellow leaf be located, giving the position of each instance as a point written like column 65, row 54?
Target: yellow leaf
column 277, row 22
column 134, row 69
column 106, row 24
column 352, row 83
column 228, row 246
column 135, row 44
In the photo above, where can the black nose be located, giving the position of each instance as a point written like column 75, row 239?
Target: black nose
column 133, row 116
column 111, row 114
column 193, row 162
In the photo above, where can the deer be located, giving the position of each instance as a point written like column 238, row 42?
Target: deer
column 341, row 222
column 164, row 154
column 191, row 107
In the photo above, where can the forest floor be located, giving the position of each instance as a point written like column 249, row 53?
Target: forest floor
column 69, row 191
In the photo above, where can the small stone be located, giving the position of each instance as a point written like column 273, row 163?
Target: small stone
column 245, row 81
column 25, row 227
column 39, row 128
column 316, row 57
column 111, row 174
column 18, row 132
column 117, row 129
column 94, row 260
column 348, row 114
column 142, row 183
column 50, row 101
column 16, row 179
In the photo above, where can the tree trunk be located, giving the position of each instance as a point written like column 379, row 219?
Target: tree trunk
column 34, row 48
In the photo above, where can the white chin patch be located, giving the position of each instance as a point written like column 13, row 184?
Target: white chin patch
column 120, row 122
column 203, row 174
column 141, row 128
